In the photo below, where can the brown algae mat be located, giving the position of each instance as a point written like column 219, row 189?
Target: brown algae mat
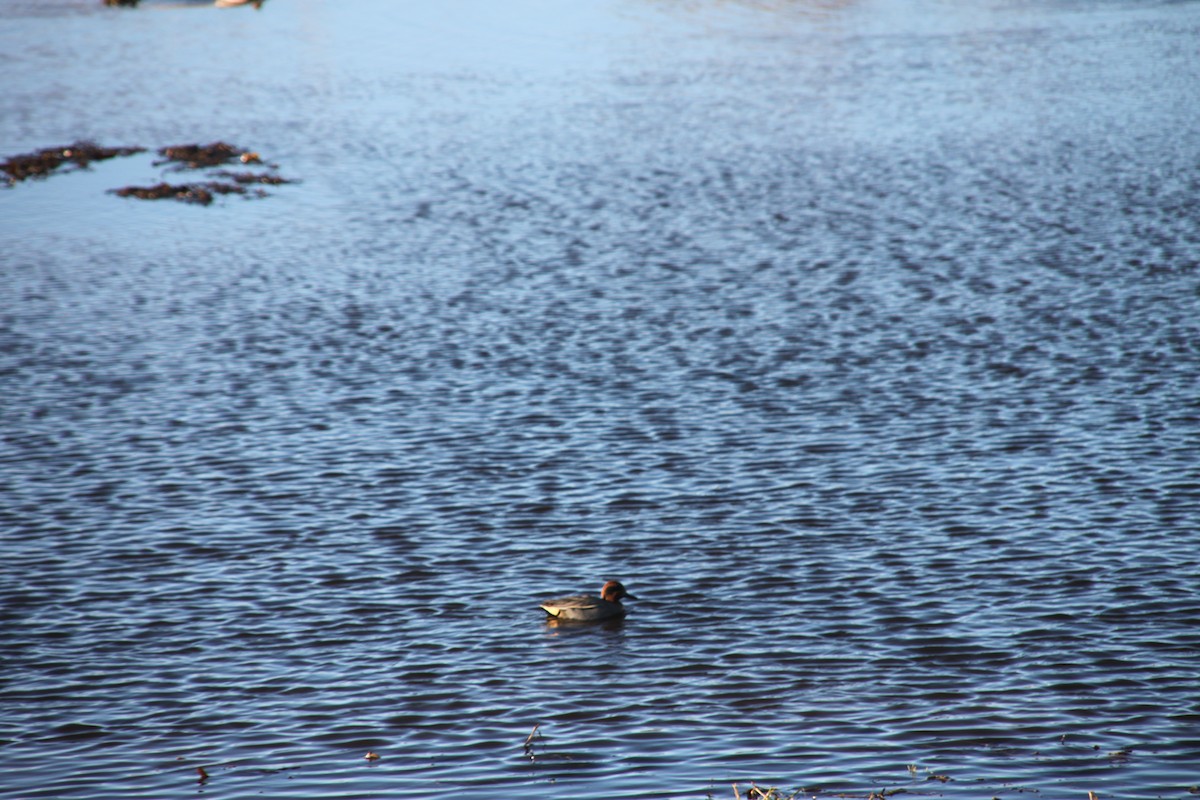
column 42, row 163
column 175, row 158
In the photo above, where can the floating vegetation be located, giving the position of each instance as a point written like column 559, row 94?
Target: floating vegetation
column 917, row 787
column 199, row 193
column 203, row 156
column 252, row 177
column 531, row 742
column 180, row 158
column 755, row 793
column 44, row 162
column 536, row 751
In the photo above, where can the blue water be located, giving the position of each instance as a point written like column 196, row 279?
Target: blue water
column 860, row 340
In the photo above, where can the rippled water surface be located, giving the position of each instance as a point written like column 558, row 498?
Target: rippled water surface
column 860, row 339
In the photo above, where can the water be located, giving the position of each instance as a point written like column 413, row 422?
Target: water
column 860, row 340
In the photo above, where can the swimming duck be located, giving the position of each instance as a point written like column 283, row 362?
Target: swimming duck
column 589, row 608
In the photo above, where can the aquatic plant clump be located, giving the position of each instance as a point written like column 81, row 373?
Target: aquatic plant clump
column 181, row 157
column 43, row 162
column 252, row 177
column 197, row 156
column 207, row 156
column 199, row 193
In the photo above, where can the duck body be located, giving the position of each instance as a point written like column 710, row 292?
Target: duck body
column 588, row 607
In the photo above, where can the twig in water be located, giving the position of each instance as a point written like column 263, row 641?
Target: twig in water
column 529, row 742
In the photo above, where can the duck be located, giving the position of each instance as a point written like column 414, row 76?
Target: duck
column 589, row 608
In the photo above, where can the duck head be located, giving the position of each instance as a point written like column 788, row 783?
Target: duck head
column 614, row 592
